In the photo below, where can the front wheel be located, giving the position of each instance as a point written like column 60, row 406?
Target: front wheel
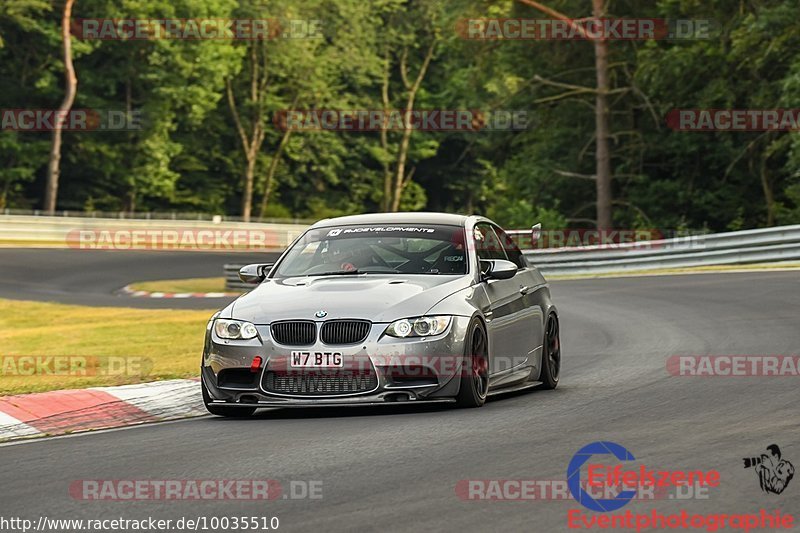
column 221, row 410
column 475, row 368
column 551, row 354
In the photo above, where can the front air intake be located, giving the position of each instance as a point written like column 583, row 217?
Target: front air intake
column 294, row 333
column 344, row 331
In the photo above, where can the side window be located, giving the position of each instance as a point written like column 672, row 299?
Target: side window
column 487, row 244
column 512, row 250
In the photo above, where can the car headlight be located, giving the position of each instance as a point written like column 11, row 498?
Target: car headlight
column 234, row 329
column 418, row 327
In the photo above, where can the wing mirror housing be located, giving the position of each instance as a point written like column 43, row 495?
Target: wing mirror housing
column 255, row 273
column 536, row 234
column 497, row 269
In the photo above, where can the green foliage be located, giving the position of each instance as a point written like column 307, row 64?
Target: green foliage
column 521, row 214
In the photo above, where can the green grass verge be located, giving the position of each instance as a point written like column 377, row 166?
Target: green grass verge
column 157, row 344
column 182, row 285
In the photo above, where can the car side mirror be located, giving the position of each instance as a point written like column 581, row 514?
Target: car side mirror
column 255, row 273
column 536, row 234
column 498, row 269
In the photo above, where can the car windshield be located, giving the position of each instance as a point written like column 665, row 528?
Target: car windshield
column 377, row 249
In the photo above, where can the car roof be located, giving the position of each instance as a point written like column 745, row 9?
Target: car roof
column 395, row 218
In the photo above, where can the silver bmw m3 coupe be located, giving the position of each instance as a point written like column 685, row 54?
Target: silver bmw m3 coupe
column 375, row 309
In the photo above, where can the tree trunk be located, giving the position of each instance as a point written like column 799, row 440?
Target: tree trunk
column 53, row 165
column 251, row 144
column 602, row 127
column 130, row 202
column 400, row 179
column 247, row 195
column 769, row 196
column 4, row 194
column 604, row 199
column 400, row 176
column 273, row 166
column 387, row 172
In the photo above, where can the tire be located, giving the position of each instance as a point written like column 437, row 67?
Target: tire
column 551, row 354
column 221, row 410
column 475, row 368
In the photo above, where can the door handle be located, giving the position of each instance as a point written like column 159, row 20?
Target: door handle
column 524, row 289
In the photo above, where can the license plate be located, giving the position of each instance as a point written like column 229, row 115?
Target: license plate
column 316, row 360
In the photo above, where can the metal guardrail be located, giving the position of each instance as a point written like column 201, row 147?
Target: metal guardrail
column 142, row 234
column 232, row 281
column 153, row 215
column 767, row 245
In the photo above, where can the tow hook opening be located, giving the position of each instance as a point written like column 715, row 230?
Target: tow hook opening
column 248, row 398
column 397, row 397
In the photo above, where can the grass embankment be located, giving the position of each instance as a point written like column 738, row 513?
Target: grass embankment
column 181, row 285
column 117, row 345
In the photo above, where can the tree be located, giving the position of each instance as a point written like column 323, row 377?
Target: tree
column 602, row 176
column 71, row 80
column 25, row 37
column 412, row 33
column 253, row 139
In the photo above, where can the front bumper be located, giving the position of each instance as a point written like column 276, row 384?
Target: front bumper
column 419, row 370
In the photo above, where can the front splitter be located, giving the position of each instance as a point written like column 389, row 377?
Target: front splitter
column 328, row 403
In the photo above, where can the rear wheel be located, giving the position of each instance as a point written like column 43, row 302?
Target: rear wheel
column 551, row 355
column 475, row 368
column 221, row 410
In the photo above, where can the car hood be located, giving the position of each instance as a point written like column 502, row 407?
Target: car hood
column 371, row 297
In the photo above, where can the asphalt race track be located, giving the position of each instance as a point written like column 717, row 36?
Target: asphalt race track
column 93, row 277
column 396, row 469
